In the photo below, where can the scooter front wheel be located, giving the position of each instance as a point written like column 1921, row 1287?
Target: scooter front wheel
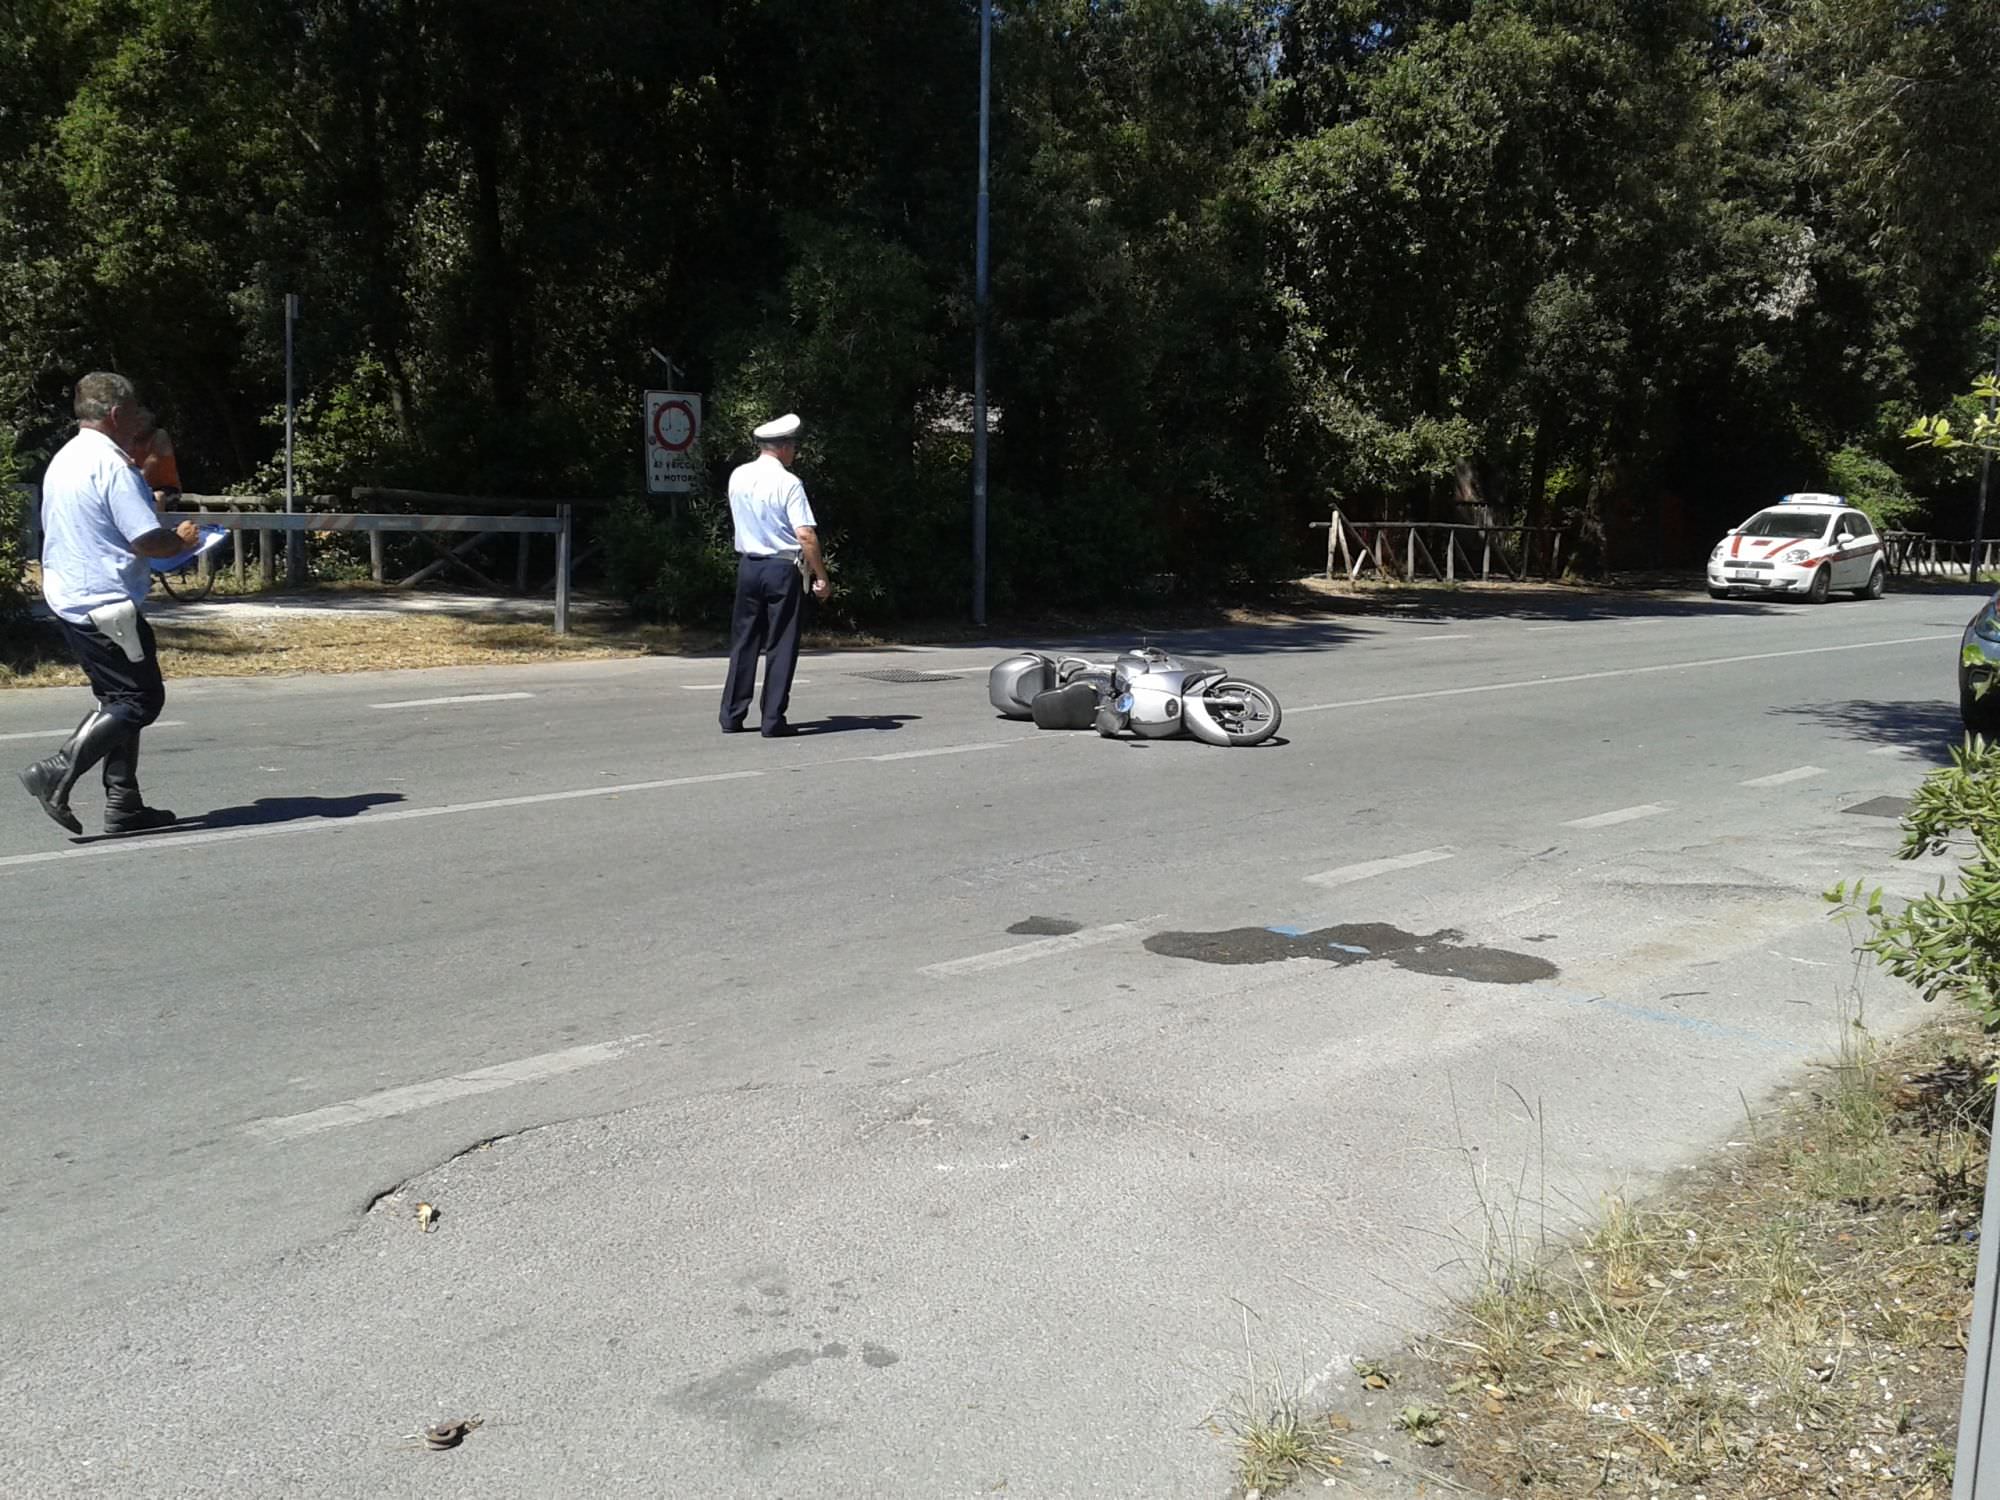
column 1232, row 711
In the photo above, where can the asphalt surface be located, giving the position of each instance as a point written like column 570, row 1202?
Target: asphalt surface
column 922, row 1106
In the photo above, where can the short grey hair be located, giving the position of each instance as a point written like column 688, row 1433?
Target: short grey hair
column 98, row 392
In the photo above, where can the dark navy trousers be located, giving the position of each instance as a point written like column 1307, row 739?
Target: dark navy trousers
column 770, row 593
column 126, row 689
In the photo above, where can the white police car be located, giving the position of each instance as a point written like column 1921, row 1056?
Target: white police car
column 1805, row 545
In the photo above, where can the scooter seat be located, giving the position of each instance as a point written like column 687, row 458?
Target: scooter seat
column 1072, row 707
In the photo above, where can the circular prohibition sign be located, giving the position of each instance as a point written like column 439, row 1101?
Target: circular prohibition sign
column 673, row 426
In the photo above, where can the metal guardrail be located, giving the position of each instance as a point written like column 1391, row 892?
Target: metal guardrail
column 1411, row 549
column 560, row 526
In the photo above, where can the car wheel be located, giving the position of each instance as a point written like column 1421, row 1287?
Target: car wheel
column 1878, row 584
column 1979, row 715
column 1822, row 584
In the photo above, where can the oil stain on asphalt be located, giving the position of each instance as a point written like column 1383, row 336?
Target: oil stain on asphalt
column 1045, row 927
column 1444, row 954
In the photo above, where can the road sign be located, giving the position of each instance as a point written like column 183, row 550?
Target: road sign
column 673, row 426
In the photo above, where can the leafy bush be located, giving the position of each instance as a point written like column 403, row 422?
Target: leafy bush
column 14, row 504
column 1871, row 485
column 678, row 568
column 1946, row 943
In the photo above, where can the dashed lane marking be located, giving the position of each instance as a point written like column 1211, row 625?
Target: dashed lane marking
column 155, row 843
column 1049, row 947
column 66, row 730
column 1614, row 672
column 412, row 1097
column 455, row 698
column 1619, row 815
column 1347, row 874
column 1780, row 778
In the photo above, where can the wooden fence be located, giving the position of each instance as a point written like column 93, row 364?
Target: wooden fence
column 1444, row 551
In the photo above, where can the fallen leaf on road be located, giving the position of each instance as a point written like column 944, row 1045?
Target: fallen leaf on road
column 450, row 1434
column 427, row 1216
column 1373, row 1376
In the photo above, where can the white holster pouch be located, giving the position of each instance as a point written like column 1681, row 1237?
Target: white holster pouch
column 120, row 621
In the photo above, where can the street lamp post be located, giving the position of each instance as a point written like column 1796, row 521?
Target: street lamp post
column 979, row 301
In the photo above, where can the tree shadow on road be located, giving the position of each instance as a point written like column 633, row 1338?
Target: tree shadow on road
column 287, row 810
column 1930, row 729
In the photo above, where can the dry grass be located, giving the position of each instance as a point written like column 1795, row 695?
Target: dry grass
column 259, row 647
column 1788, row 1321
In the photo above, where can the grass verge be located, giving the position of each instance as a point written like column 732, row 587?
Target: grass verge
column 1787, row 1320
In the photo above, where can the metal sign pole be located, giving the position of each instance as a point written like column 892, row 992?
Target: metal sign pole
column 1985, row 473
column 295, row 542
column 979, row 300
column 1977, row 1473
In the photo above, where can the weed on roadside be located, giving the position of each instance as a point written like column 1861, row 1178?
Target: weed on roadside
column 1787, row 1320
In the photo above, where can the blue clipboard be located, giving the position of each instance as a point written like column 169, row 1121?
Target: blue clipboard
column 211, row 538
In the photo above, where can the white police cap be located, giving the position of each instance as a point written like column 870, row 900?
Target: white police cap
column 778, row 428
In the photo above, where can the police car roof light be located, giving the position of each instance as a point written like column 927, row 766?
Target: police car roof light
column 1810, row 499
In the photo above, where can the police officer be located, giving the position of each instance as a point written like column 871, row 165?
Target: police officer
column 777, row 542
column 99, row 528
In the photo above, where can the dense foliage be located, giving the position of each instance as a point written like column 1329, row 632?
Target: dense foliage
column 1638, row 266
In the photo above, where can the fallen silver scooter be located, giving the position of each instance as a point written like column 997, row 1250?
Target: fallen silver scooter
column 1147, row 692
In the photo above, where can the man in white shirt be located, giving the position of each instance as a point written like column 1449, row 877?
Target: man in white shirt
column 776, row 538
column 99, row 528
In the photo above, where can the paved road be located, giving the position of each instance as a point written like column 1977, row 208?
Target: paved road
column 923, row 1106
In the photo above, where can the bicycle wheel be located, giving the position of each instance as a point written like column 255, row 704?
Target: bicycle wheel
column 189, row 584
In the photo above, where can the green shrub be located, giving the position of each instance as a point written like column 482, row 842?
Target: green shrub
column 676, row 568
column 1947, row 943
column 14, row 502
column 1870, row 485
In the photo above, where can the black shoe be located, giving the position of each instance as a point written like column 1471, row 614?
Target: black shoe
column 141, row 820
column 736, row 728
column 779, row 731
column 44, row 781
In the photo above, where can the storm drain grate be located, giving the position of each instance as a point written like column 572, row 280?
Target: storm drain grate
column 904, row 674
column 1880, row 807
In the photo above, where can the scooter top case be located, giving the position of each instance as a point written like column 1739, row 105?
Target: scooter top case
column 1013, row 685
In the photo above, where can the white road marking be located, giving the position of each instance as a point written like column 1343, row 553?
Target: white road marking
column 1779, row 778
column 457, row 698
column 413, row 1097
column 1621, row 815
column 944, row 750
column 1566, row 625
column 151, row 843
column 1424, row 638
column 1570, row 677
column 716, row 687
column 69, row 729
column 1895, row 750
column 1347, row 874
column 1048, row 947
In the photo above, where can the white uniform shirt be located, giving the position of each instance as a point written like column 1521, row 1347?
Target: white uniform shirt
column 769, row 506
column 94, row 506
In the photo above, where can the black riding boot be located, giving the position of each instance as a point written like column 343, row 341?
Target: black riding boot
column 50, row 779
column 125, row 809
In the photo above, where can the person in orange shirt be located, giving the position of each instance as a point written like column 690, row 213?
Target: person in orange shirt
column 152, row 454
